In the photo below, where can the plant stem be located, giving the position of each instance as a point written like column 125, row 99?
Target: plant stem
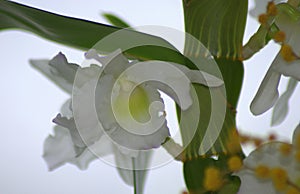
column 134, row 176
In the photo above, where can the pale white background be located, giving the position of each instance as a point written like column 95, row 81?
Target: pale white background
column 29, row 102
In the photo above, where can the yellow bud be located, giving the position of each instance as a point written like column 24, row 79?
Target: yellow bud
column 263, row 18
column 285, row 149
column 279, row 36
column 213, row 180
column 262, row 171
column 279, row 178
column 235, row 163
column 272, row 9
column 287, row 53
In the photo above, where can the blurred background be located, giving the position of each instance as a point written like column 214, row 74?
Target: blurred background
column 29, row 102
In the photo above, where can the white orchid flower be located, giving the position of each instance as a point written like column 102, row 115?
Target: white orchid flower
column 272, row 168
column 287, row 62
column 115, row 108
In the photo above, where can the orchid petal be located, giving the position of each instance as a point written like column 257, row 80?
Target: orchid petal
column 291, row 69
column 114, row 63
column 58, row 70
column 156, row 133
column 58, row 149
column 71, row 126
column 291, row 28
column 267, row 93
column 200, row 77
column 270, row 156
column 66, row 109
column 173, row 79
column 250, row 184
column 83, row 99
column 281, row 107
column 101, row 148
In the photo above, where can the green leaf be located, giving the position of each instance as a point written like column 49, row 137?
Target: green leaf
column 83, row 34
column 115, row 20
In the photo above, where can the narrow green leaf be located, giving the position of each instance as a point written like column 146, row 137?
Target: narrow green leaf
column 115, row 20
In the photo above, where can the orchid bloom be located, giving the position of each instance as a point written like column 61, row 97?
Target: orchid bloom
column 287, row 61
column 272, row 168
column 115, row 108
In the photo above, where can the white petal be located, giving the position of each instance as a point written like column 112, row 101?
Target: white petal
column 58, row 70
column 291, row 27
column 281, row 107
column 114, row 63
column 291, row 69
column 200, row 77
column 103, row 105
column 139, row 142
column 173, row 79
column 58, row 149
column 71, row 126
column 267, row 93
column 83, row 101
column 250, row 184
column 101, row 148
column 131, row 134
column 268, row 155
column 128, row 167
column 66, row 109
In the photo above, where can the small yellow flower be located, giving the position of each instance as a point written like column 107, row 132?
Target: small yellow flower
column 279, row 177
column 285, row 149
column 287, row 53
column 263, row 18
column 279, row 36
column 234, row 163
column 262, row 171
column 272, row 9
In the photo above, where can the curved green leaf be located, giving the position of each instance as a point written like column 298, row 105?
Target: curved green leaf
column 82, row 34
